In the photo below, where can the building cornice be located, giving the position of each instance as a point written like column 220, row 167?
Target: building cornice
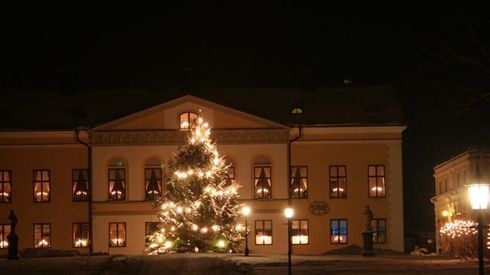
column 176, row 137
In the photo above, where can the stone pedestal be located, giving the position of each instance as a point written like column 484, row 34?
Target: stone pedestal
column 367, row 248
column 13, row 246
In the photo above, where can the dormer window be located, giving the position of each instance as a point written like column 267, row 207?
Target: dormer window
column 187, row 120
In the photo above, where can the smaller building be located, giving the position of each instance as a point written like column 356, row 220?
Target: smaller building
column 451, row 203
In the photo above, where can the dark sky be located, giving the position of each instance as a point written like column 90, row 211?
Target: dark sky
column 433, row 53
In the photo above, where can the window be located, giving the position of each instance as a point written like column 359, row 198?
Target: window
column 153, row 183
column 376, row 179
column 230, row 172
column 338, row 231
column 79, row 185
column 80, row 232
column 42, row 235
column 262, row 182
column 4, row 232
column 263, row 232
column 299, row 231
column 117, row 234
column 150, row 229
column 338, row 181
column 299, row 182
column 379, row 228
column 187, row 120
column 117, row 184
column 42, row 188
column 5, row 186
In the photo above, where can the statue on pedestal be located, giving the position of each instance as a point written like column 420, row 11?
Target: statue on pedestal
column 13, row 238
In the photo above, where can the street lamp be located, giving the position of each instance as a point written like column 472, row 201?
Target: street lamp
column 288, row 213
column 246, row 212
column 478, row 194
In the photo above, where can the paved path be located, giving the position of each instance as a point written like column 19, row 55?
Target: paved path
column 228, row 264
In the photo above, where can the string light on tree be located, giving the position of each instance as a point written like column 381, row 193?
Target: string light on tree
column 198, row 208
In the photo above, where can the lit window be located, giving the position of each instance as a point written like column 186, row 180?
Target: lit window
column 379, row 228
column 338, row 181
column 230, row 173
column 299, row 182
column 296, row 111
column 338, row 231
column 376, row 178
column 117, row 184
column 42, row 188
column 80, row 234
column 42, row 235
column 4, row 232
column 263, row 232
column 79, row 185
column 5, row 186
column 117, row 234
column 299, row 231
column 187, row 120
column 262, row 182
column 150, row 229
column 153, row 183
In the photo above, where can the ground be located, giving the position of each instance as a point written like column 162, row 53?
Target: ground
column 238, row 264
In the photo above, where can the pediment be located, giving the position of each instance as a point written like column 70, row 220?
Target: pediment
column 166, row 117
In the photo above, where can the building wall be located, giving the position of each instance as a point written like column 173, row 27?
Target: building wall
column 60, row 212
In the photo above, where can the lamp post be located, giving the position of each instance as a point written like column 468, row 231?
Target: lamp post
column 246, row 212
column 478, row 194
column 288, row 213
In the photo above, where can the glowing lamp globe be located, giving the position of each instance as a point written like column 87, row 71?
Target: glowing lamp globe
column 288, row 212
column 478, row 194
column 246, row 211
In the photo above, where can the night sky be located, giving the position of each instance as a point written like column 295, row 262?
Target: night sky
column 435, row 54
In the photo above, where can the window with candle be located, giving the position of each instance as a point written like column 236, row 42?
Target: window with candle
column 338, row 231
column 80, row 185
column 42, row 186
column 42, row 235
column 153, row 180
column 338, row 181
column 376, row 181
column 187, row 120
column 4, row 232
column 263, row 232
column 117, row 234
column 379, row 228
column 117, row 180
column 299, row 182
column 299, row 231
column 5, row 186
column 80, row 234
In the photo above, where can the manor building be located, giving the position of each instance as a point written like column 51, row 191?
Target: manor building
column 337, row 149
column 451, row 200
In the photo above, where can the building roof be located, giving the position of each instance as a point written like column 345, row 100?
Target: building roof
column 336, row 106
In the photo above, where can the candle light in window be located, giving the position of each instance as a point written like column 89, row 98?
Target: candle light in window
column 300, row 239
column 81, row 243
column 338, row 189
column 377, row 188
column 4, row 194
column 184, row 125
column 4, row 244
column 262, row 190
column 42, row 243
column 263, row 239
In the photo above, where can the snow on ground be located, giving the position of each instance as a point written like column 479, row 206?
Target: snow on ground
column 209, row 264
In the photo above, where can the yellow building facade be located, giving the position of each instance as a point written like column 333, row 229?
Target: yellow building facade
column 335, row 171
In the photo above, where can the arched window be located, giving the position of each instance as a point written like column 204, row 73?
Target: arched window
column 153, row 178
column 262, row 178
column 117, row 180
column 187, row 120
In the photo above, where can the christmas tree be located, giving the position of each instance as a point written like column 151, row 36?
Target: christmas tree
column 198, row 208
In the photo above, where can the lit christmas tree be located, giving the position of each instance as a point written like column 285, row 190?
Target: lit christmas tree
column 199, row 207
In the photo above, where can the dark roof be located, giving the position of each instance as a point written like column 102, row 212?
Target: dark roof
column 376, row 105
